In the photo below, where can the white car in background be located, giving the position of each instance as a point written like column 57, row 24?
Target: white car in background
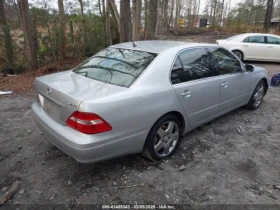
column 253, row 46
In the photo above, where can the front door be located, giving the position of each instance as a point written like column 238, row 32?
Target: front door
column 273, row 49
column 234, row 82
column 196, row 86
column 255, row 47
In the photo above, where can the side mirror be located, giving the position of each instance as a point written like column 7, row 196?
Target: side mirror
column 249, row 67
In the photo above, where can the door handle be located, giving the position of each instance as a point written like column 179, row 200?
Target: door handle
column 224, row 84
column 186, row 94
column 270, row 47
column 245, row 45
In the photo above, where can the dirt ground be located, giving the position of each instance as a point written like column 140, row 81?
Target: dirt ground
column 221, row 166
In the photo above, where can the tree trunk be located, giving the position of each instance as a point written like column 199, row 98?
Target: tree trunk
column 83, row 21
column 171, row 16
column 268, row 15
column 137, row 19
column 178, row 2
column 115, row 14
column 108, row 25
column 7, row 36
column 211, row 14
column 165, row 26
column 104, row 20
column 125, row 19
column 82, row 9
column 221, row 15
column 159, row 17
column 61, row 30
column 99, row 7
column 153, row 18
column 27, row 30
column 71, row 31
column 214, row 13
column 146, row 20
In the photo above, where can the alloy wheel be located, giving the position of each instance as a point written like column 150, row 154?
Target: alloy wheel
column 166, row 138
column 258, row 97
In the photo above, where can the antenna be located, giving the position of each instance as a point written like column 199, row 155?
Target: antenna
column 134, row 45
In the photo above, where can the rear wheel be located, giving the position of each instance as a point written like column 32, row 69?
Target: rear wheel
column 163, row 138
column 257, row 96
column 239, row 54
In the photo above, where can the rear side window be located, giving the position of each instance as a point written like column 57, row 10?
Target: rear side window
column 191, row 65
column 255, row 39
column 116, row 66
column 273, row 40
column 224, row 61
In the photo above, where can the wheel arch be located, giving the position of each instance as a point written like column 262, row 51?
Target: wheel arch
column 266, row 84
column 176, row 114
column 237, row 49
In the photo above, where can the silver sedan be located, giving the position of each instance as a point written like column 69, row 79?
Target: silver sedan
column 142, row 97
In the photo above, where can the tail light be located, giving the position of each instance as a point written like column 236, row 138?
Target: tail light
column 88, row 123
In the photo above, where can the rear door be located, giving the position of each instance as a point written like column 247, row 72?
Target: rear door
column 273, row 49
column 255, row 47
column 196, row 86
column 234, row 82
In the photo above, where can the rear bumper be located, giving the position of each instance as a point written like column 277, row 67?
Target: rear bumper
column 86, row 148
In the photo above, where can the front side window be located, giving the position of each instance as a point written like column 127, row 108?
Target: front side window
column 273, row 40
column 116, row 66
column 191, row 65
column 224, row 61
column 255, row 39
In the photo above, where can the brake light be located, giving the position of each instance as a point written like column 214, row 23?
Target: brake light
column 88, row 123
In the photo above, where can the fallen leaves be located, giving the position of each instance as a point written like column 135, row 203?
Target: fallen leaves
column 23, row 83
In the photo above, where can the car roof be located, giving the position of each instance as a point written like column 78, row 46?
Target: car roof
column 158, row 46
column 262, row 34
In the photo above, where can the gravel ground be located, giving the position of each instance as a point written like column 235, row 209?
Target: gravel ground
column 214, row 164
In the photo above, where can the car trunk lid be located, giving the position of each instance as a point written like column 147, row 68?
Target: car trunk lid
column 61, row 94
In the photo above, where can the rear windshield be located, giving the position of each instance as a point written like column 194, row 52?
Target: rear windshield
column 234, row 37
column 115, row 66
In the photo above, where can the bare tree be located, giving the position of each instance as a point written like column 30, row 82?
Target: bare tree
column 7, row 36
column 171, row 15
column 153, row 18
column 165, row 25
column 108, row 25
column 27, row 30
column 146, row 19
column 115, row 14
column 222, row 13
column 61, row 30
column 177, row 14
column 82, row 9
column 268, row 15
column 137, row 4
column 214, row 4
column 125, row 20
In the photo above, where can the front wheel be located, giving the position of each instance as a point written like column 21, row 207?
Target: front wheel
column 257, row 96
column 163, row 138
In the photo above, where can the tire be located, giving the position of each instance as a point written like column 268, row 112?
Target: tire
column 163, row 138
column 257, row 96
column 239, row 54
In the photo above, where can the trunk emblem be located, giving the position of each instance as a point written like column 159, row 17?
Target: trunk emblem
column 48, row 91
